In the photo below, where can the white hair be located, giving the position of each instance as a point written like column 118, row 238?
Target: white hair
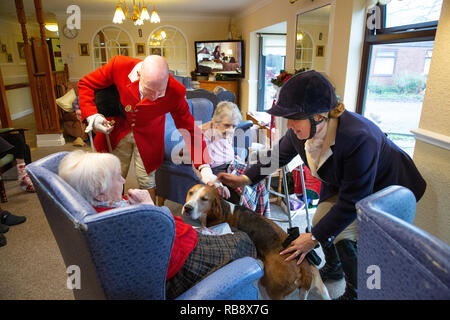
column 219, row 89
column 227, row 109
column 89, row 173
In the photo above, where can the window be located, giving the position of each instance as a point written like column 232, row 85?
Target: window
column 170, row 43
column 396, row 59
column 304, row 51
column 384, row 62
column 426, row 64
column 272, row 57
column 406, row 12
column 108, row 42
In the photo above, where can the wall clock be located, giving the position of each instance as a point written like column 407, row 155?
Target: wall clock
column 70, row 33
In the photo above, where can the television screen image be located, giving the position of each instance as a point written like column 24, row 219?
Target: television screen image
column 225, row 57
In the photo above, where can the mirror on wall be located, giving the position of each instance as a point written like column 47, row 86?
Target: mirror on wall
column 311, row 39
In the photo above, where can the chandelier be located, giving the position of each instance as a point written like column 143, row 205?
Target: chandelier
column 159, row 35
column 139, row 15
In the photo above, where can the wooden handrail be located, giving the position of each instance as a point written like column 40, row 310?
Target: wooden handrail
column 17, row 86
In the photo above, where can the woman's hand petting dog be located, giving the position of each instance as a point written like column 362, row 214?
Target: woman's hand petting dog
column 300, row 246
column 223, row 190
column 138, row 196
column 232, row 180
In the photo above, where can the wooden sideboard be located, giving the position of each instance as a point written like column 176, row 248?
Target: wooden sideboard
column 228, row 85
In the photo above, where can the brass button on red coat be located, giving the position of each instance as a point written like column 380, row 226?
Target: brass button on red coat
column 128, row 108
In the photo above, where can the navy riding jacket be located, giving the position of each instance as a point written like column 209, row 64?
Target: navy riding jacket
column 363, row 162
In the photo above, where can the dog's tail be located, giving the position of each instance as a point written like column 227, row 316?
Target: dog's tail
column 317, row 285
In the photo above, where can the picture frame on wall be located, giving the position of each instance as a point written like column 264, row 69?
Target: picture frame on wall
column 3, row 47
column 83, row 49
column 156, row 51
column 20, row 49
column 140, row 49
column 320, row 51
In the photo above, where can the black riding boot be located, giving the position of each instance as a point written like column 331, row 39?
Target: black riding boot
column 332, row 270
column 348, row 254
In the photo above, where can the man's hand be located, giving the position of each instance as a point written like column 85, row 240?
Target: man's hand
column 99, row 123
column 232, row 180
column 102, row 125
column 138, row 196
column 300, row 247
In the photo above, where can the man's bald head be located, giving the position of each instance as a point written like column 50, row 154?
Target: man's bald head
column 154, row 75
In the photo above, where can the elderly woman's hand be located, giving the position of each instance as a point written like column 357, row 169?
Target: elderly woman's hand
column 232, row 180
column 138, row 196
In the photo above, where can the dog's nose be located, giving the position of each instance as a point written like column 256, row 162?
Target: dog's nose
column 188, row 209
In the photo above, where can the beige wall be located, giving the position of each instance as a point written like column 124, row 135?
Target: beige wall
column 338, row 50
column 202, row 29
column 433, row 211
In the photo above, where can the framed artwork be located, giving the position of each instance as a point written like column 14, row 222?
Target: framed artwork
column 124, row 52
column 155, row 51
column 83, row 49
column 320, row 51
column 10, row 58
column 3, row 47
column 140, row 49
column 21, row 50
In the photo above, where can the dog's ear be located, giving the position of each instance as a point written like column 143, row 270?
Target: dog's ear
column 215, row 215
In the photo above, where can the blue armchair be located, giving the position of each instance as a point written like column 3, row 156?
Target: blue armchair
column 174, row 180
column 408, row 262
column 203, row 93
column 124, row 253
column 226, row 96
column 185, row 81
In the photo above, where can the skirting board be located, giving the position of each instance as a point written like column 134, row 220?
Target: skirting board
column 21, row 114
column 50, row 140
column 436, row 139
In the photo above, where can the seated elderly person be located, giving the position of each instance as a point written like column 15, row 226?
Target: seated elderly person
column 97, row 177
column 219, row 137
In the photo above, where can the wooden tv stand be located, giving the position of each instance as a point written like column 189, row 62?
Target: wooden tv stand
column 232, row 85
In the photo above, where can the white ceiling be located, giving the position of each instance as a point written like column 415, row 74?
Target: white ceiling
column 219, row 8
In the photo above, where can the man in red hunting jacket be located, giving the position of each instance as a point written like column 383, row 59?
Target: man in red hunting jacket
column 147, row 93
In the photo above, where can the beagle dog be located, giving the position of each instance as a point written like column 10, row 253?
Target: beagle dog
column 280, row 277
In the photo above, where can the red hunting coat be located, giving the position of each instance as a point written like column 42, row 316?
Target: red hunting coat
column 146, row 119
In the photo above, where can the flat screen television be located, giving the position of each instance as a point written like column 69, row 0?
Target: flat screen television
column 222, row 56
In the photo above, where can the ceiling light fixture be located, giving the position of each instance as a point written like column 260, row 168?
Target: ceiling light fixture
column 53, row 27
column 159, row 35
column 155, row 17
column 139, row 15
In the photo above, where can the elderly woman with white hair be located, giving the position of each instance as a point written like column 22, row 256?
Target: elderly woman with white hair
column 219, row 137
column 218, row 134
column 97, row 177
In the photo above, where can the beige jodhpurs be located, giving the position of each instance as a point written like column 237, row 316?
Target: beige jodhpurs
column 350, row 233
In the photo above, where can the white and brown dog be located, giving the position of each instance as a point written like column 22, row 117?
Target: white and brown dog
column 280, row 277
